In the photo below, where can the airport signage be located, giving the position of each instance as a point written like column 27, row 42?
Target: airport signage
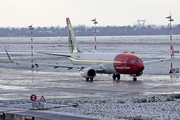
column 42, row 99
column 33, row 97
column 37, row 103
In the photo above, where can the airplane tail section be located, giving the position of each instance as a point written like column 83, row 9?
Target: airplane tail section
column 73, row 46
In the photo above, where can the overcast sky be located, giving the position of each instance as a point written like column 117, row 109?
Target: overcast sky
column 45, row 13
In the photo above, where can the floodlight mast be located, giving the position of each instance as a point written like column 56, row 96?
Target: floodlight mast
column 171, row 46
column 31, row 28
column 95, row 22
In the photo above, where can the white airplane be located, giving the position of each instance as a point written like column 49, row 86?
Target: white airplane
column 91, row 63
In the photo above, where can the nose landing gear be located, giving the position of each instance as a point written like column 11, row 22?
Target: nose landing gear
column 134, row 79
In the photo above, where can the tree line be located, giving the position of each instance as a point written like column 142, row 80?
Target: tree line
column 83, row 30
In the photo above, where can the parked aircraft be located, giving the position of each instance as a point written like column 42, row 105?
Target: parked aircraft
column 91, row 63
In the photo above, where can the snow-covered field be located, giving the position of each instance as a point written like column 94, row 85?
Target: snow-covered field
column 120, row 107
column 126, row 107
column 153, row 107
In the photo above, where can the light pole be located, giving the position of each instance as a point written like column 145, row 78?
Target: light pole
column 171, row 46
column 95, row 22
column 31, row 28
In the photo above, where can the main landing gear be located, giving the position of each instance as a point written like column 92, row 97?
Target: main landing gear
column 116, row 76
column 87, row 79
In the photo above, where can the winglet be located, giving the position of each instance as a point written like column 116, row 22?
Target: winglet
column 8, row 55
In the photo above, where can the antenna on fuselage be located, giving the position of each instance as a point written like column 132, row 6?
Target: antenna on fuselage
column 95, row 22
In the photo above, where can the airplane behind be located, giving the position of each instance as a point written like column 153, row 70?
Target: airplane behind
column 91, row 63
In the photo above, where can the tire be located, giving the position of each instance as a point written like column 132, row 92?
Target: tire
column 134, row 79
column 118, row 76
column 114, row 77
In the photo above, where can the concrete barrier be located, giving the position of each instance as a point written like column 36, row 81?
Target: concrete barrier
column 10, row 116
column 2, row 115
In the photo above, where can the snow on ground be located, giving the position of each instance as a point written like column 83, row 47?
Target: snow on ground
column 111, row 108
column 126, row 107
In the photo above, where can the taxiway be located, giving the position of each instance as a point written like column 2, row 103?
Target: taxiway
column 20, row 83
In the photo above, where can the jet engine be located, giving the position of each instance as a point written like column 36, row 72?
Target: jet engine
column 88, row 72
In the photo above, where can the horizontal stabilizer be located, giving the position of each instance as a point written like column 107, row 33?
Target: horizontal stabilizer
column 155, row 61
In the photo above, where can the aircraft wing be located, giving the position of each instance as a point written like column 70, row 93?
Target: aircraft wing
column 155, row 61
column 58, row 54
column 55, row 53
column 98, row 69
column 51, row 65
column 59, row 65
column 39, row 51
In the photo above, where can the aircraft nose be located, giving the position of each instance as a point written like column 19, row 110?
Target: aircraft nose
column 140, row 67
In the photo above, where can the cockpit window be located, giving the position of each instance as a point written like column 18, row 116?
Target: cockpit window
column 133, row 61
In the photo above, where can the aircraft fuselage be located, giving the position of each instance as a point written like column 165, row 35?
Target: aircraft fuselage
column 110, row 62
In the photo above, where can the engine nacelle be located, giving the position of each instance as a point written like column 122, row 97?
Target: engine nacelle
column 88, row 72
